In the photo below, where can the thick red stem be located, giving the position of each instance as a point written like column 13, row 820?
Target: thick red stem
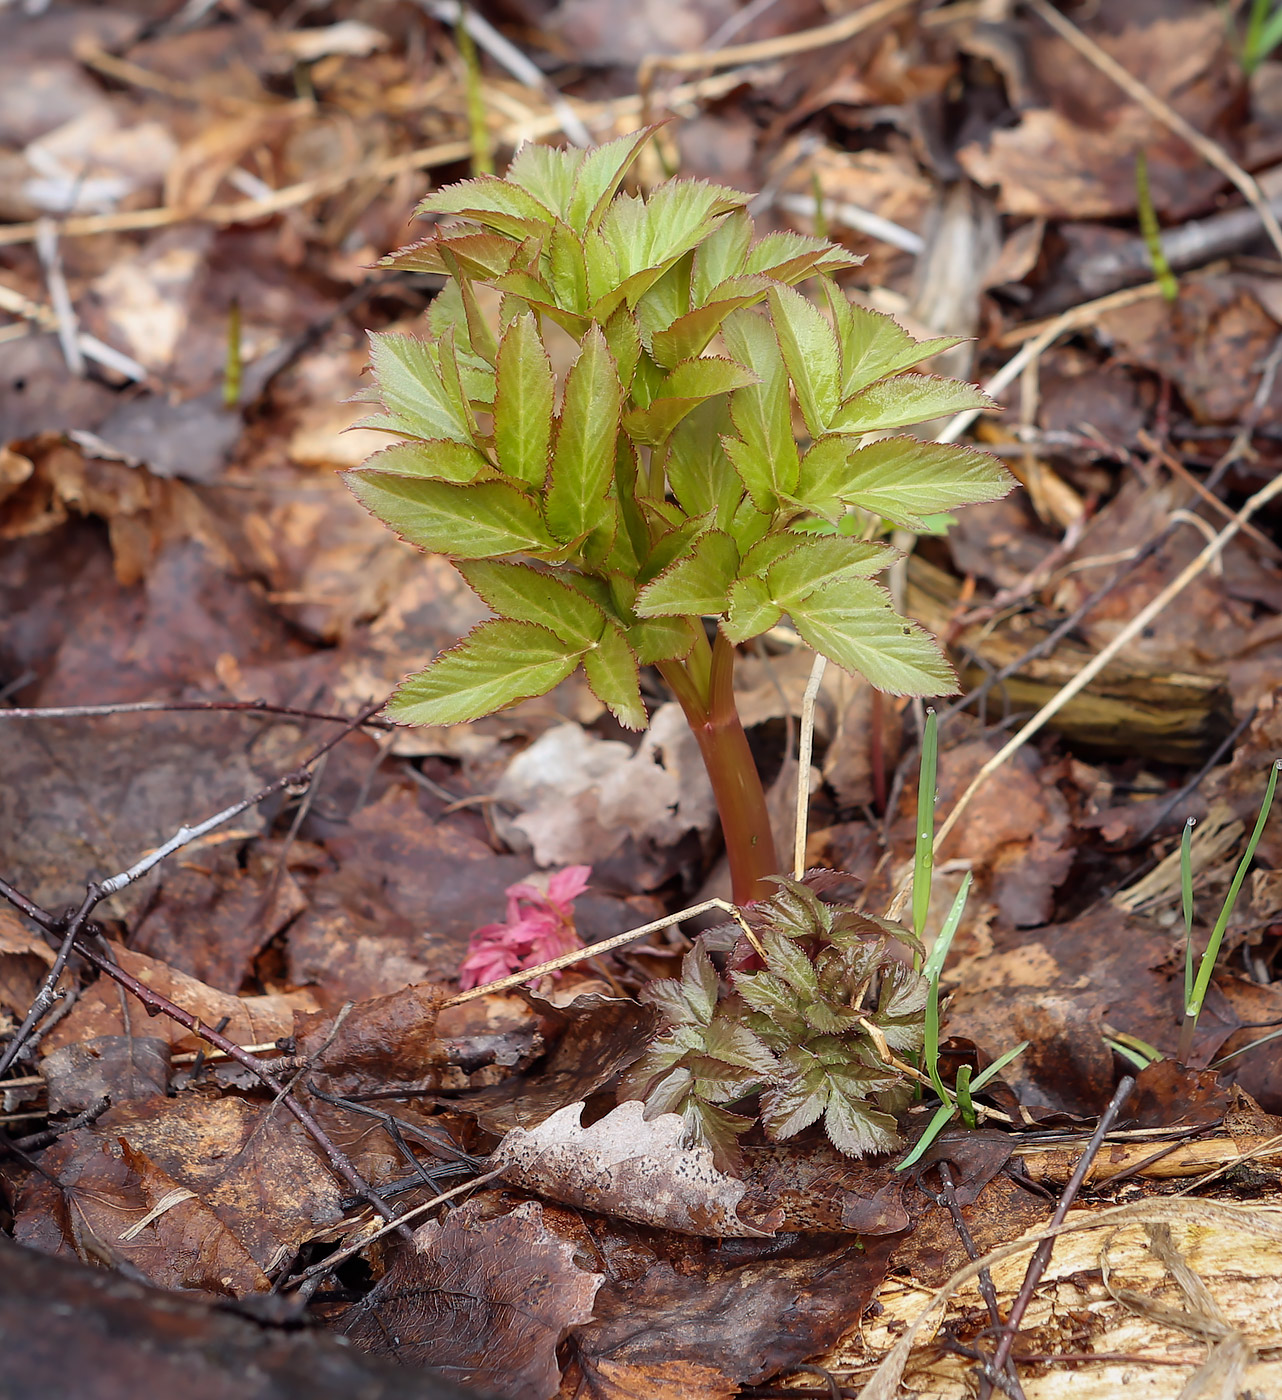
column 741, row 801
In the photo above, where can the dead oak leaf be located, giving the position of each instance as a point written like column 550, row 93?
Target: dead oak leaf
column 630, row 1168
column 486, row 1301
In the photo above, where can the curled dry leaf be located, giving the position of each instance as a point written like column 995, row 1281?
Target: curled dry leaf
column 485, row 1300
column 601, row 1036
column 630, row 1168
column 249, row 1020
column 379, row 1044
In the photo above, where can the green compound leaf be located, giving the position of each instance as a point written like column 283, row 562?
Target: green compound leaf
column 687, row 386
column 480, row 255
column 496, row 204
column 662, row 639
column 547, row 173
column 698, row 988
column 721, row 256
column 874, row 345
column 907, row 398
column 797, row 1102
column 823, row 560
column 480, row 521
column 697, row 583
column 496, row 664
column 752, row 610
column 583, row 459
column 408, row 372
column 810, row 351
column 688, row 334
column 853, row 1125
column 735, row 1044
column 446, row 461
column 523, row 403
column 527, row 594
column 611, row 668
column 855, row 625
column 901, row 479
column 762, row 413
column 601, row 171
column 567, row 271
column 792, row 257
column 699, row 473
column 680, row 213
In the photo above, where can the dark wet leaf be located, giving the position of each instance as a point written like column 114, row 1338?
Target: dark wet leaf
column 386, row 1043
column 483, row 1301
column 117, row 1067
column 600, row 1036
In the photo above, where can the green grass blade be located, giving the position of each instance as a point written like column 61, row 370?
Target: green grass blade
column 1207, row 967
column 935, row 962
column 964, row 1101
column 1132, row 1057
column 999, row 1064
column 1186, row 890
column 930, row 1045
column 1151, row 231
column 933, row 1130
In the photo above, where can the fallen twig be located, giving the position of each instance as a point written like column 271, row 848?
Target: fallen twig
column 1042, row 1254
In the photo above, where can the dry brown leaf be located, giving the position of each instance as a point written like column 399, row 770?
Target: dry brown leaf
column 1074, row 158
column 250, row 1020
column 579, row 798
column 486, row 1301
column 637, row 1170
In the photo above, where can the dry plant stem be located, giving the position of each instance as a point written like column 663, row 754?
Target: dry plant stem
column 1042, row 1254
column 766, row 50
column 884, row 1384
column 185, row 835
column 987, row 1291
column 47, row 994
column 1210, row 152
column 138, row 707
column 340, row 1256
column 805, row 748
column 741, row 800
column 155, row 1002
column 1088, row 672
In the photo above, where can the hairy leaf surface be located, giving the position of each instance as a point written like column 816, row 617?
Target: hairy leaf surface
column 496, row 664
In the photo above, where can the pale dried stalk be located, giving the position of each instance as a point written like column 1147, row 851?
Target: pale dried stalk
column 805, row 748
column 884, row 1384
column 765, row 50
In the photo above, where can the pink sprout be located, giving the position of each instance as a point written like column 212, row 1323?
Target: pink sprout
column 538, row 928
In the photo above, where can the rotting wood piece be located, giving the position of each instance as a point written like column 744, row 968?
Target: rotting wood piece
column 1171, row 716
column 1180, row 1160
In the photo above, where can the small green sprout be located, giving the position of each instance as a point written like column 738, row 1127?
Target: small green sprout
column 1195, row 988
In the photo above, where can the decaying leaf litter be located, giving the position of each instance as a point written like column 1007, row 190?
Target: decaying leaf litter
column 182, row 183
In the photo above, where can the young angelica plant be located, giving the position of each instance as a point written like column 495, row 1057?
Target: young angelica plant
column 607, row 515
